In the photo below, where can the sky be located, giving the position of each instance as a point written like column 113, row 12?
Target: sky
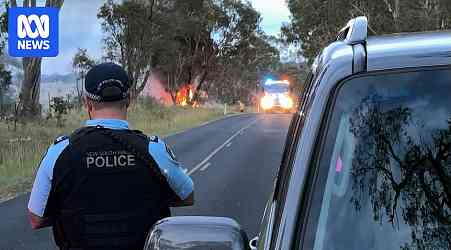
column 79, row 28
column 274, row 14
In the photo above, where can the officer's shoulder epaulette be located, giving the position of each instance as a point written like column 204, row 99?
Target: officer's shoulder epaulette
column 154, row 139
column 60, row 139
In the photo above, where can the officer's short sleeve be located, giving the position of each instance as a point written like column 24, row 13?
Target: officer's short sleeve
column 43, row 182
column 179, row 181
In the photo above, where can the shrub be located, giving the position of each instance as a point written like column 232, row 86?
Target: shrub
column 59, row 107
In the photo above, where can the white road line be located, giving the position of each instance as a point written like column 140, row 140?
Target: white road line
column 198, row 166
column 204, row 124
column 228, row 145
column 205, row 166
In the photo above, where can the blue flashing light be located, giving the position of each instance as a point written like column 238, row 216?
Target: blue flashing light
column 269, row 81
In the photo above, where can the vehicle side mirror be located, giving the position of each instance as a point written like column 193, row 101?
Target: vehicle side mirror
column 196, row 232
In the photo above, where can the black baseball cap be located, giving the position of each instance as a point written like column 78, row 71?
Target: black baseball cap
column 107, row 82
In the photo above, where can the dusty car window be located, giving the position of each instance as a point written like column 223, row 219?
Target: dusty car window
column 385, row 168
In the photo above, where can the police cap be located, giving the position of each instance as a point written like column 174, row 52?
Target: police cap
column 107, row 82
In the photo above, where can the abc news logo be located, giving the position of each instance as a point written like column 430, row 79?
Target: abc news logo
column 24, row 30
column 33, row 32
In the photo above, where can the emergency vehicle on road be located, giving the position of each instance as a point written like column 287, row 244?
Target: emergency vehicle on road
column 276, row 97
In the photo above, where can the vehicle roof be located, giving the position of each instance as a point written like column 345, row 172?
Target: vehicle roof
column 394, row 51
column 408, row 50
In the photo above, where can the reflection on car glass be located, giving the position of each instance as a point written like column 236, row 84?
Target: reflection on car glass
column 338, row 176
column 398, row 162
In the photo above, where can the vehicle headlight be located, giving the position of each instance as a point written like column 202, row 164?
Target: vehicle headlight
column 267, row 102
column 286, row 102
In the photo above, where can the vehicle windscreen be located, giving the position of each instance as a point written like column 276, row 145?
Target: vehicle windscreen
column 385, row 169
column 276, row 88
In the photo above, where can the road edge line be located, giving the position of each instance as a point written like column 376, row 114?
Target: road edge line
column 218, row 149
column 206, row 124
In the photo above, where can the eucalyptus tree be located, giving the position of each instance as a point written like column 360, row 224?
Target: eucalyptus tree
column 81, row 64
column 128, row 27
column 315, row 23
column 29, row 106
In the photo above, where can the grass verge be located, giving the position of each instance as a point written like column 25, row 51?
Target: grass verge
column 21, row 150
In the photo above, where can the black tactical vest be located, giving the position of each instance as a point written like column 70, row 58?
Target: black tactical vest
column 107, row 191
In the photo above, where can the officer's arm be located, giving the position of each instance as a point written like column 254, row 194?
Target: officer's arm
column 181, row 184
column 40, row 208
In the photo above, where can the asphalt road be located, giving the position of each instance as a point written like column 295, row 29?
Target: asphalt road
column 232, row 161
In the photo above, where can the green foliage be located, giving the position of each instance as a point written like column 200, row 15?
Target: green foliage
column 5, row 82
column 149, row 102
column 81, row 61
column 128, row 28
column 212, row 45
column 186, row 48
column 7, row 102
column 81, row 64
column 197, row 36
column 315, row 23
column 296, row 74
column 5, row 75
column 238, row 75
column 4, row 20
column 59, row 107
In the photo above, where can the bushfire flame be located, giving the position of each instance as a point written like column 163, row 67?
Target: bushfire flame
column 184, row 95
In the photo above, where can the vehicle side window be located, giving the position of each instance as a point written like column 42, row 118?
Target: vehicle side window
column 382, row 175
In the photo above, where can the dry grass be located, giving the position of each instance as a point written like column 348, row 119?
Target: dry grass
column 21, row 150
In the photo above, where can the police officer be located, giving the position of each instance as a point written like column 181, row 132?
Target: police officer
column 105, row 185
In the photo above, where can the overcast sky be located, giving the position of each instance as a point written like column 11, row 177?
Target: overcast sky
column 79, row 28
column 274, row 13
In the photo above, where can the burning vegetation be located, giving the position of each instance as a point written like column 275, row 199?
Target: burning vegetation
column 185, row 95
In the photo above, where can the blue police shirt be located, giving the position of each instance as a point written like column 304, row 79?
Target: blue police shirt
column 179, row 181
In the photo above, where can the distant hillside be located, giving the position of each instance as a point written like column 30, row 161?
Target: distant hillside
column 53, row 78
column 51, row 85
column 62, row 78
column 15, row 66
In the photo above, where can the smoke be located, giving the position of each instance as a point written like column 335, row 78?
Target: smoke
column 154, row 88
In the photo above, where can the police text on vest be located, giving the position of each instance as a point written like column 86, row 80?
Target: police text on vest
column 110, row 159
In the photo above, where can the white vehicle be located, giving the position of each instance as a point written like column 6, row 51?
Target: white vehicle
column 276, row 97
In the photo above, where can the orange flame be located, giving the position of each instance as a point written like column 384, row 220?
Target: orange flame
column 184, row 95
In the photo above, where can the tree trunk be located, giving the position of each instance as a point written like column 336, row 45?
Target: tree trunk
column 133, row 92
column 199, row 86
column 54, row 3
column 144, row 83
column 173, row 97
column 29, row 94
column 1, row 102
column 80, row 84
